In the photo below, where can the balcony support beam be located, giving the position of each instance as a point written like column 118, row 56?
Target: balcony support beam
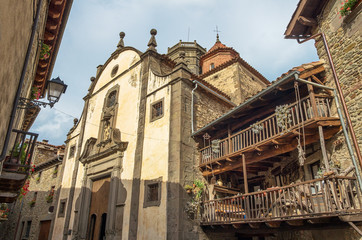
column 245, row 175
column 323, row 148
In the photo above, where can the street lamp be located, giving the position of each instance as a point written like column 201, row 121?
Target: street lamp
column 55, row 88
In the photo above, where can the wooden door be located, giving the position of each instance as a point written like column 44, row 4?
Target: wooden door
column 98, row 208
column 44, row 230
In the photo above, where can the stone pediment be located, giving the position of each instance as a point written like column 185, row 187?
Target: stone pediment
column 97, row 149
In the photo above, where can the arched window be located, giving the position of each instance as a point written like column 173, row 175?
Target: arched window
column 111, row 100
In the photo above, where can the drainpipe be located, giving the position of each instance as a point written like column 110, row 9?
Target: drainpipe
column 349, row 145
column 336, row 80
column 18, row 91
column 192, row 108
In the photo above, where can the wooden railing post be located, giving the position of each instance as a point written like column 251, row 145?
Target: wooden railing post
column 229, row 140
column 313, row 100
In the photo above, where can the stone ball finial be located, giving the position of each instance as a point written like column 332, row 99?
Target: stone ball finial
column 121, row 43
column 75, row 121
column 92, row 79
column 152, row 44
column 153, row 32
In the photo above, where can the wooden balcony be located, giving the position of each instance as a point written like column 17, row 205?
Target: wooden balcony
column 16, row 166
column 316, row 201
column 273, row 138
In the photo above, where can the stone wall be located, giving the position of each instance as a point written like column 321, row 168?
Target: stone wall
column 15, row 32
column 236, row 81
column 343, row 35
column 207, row 108
column 50, row 177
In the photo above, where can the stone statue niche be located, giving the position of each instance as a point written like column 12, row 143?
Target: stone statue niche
column 108, row 118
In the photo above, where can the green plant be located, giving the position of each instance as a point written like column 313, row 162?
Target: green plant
column 347, row 7
column 198, row 189
column 188, row 188
column 20, row 151
column 44, row 51
column 49, row 198
column 35, row 93
column 37, row 179
column 32, row 203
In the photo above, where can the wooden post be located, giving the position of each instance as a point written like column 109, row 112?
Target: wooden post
column 245, row 175
column 323, row 148
column 229, row 140
column 313, row 100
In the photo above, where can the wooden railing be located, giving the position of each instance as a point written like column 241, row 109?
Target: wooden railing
column 320, row 197
column 299, row 114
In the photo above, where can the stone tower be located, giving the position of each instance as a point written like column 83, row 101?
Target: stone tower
column 190, row 51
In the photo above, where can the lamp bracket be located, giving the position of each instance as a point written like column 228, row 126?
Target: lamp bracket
column 25, row 103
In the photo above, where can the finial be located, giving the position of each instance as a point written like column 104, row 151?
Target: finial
column 152, row 44
column 92, row 79
column 121, row 43
column 217, row 34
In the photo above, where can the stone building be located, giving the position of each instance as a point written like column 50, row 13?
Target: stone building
column 131, row 154
column 32, row 215
column 31, row 34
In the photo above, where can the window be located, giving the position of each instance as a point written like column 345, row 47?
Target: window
column 111, row 101
column 27, row 231
column 157, row 110
column 71, row 151
column 61, row 211
column 212, row 66
column 152, row 192
column 114, row 71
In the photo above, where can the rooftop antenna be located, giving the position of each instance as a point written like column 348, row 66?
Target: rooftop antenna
column 217, row 34
column 188, row 34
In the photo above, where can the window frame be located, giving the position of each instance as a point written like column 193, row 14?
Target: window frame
column 152, row 117
column 64, row 202
column 146, row 201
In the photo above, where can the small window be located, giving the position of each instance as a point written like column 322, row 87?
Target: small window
column 71, row 151
column 111, row 101
column 61, row 211
column 114, row 71
column 212, row 66
column 157, row 110
column 152, row 192
column 27, row 231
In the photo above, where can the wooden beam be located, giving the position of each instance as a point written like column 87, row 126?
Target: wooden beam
column 229, row 159
column 306, row 21
column 246, row 187
column 312, row 72
column 296, row 223
column 323, row 148
column 274, row 224
column 330, row 123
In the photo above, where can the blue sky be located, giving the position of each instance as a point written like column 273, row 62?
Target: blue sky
column 253, row 28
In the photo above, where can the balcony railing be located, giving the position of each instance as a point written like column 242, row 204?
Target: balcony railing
column 317, row 198
column 20, row 155
column 298, row 115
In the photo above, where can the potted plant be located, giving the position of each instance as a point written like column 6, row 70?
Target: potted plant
column 35, row 93
column 49, row 198
column 44, row 51
column 347, row 7
column 4, row 210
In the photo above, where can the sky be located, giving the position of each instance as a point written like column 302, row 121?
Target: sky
column 253, row 28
